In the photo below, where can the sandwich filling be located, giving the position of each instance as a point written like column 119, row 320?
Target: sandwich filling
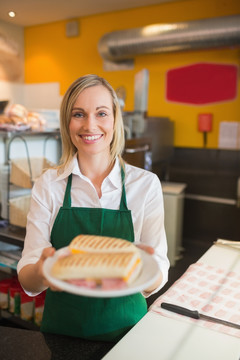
column 106, row 270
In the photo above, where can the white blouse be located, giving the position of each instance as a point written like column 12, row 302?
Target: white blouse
column 144, row 199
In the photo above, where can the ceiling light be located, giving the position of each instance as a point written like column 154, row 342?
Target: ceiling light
column 11, row 14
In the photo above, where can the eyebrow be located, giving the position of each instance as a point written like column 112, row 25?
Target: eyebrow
column 97, row 108
column 105, row 107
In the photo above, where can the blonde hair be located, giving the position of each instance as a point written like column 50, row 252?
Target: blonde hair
column 68, row 101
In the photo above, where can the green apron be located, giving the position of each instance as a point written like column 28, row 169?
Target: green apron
column 87, row 317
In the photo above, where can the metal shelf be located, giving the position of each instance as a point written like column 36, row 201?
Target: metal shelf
column 16, row 320
column 7, row 137
column 13, row 235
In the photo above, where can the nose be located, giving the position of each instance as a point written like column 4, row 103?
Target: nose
column 90, row 122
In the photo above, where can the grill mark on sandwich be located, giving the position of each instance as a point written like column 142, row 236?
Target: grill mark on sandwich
column 112, row 243
column 103, row 243
column 85, row 242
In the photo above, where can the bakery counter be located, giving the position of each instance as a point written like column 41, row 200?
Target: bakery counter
column 27, row 345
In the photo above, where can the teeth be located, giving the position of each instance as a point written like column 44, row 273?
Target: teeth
column 93, row 137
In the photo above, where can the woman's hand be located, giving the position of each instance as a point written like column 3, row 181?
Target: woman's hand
column 31, row 276
column 46, row 253
column 146, row 248
column 150, row 251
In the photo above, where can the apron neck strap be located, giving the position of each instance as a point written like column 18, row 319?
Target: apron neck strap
column 123, row 203
column 67, row 198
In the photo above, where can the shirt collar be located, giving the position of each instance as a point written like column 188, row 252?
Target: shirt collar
column 115, row 175
column 73, row 168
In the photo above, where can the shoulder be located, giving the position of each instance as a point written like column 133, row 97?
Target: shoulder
column 48, row 181
column 133, row 173
column 49, row 175
column 143, row 188
column 48, row 190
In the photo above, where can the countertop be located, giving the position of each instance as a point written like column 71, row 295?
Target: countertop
column 158, row 337
column 22, row 344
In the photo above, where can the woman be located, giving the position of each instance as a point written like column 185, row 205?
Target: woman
column 92, row 191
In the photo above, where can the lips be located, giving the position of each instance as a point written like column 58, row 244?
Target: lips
column 90, row 137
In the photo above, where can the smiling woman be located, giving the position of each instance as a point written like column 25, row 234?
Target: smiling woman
column 93, row 192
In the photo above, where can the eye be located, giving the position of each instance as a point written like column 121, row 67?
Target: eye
column 102, row 113
column 78, row 114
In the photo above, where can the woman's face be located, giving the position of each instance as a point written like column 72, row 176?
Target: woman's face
column 92, row 121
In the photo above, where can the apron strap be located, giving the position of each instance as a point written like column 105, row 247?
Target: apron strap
column 123, row 203
column 67, row 197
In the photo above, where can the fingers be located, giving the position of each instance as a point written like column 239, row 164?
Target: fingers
column 47, row 252
column 52, row 287
column 146, row 248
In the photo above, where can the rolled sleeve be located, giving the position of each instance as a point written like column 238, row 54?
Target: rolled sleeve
column 153, row 230
column 38, row 226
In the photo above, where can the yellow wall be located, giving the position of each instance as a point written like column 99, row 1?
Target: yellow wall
column 50, row 56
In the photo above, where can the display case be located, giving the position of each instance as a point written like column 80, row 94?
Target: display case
column 18, row 172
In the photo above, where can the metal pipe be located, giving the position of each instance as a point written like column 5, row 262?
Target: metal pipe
column 161, row 38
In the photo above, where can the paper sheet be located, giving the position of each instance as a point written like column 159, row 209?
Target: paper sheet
column 229, row 135
column 210, row 290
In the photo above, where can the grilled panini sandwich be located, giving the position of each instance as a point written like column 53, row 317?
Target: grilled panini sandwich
column 95, row 261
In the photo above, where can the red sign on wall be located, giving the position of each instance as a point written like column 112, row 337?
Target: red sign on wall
column 202, row 83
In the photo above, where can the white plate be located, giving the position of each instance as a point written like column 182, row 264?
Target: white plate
column 148, row 275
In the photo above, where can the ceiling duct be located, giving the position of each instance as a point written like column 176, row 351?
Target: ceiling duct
column 121, row 45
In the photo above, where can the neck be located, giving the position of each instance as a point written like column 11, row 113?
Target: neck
column 96, row 169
